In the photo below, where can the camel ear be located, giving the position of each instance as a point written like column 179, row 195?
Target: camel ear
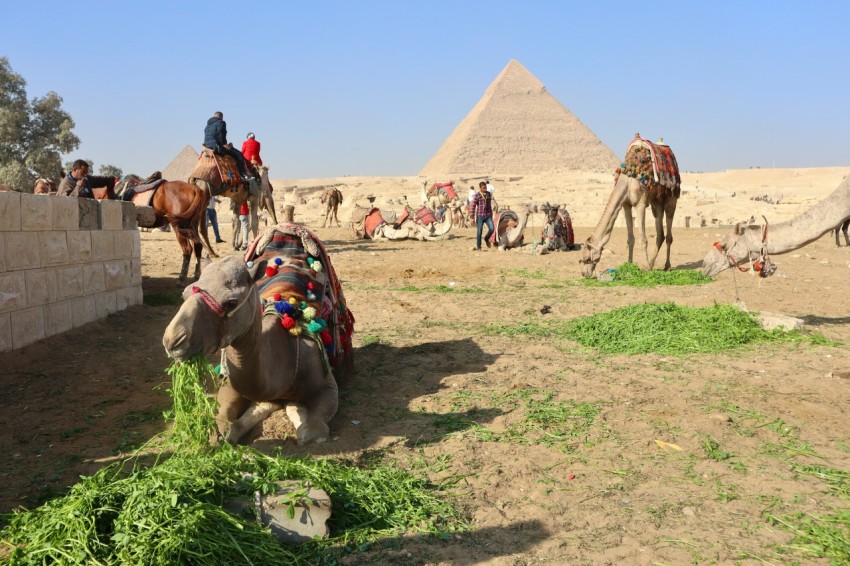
column 738, row 229
column 258, row 270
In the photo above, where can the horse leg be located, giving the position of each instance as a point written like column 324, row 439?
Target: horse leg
column 186, row 246
column 199, row 248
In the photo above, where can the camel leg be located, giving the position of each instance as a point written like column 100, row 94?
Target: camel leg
column 630, row 229
column 237, row 231
column 336, row 210
column 658, row 213
column 640, row 214
column 311, row 420
column 253, row 416
column 669, row 239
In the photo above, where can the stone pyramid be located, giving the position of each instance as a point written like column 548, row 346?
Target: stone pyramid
column 518, row 127
column 181, row 166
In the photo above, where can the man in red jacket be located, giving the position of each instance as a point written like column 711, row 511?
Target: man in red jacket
column 251, row 149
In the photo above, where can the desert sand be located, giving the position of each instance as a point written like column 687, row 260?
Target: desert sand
column 609, row 495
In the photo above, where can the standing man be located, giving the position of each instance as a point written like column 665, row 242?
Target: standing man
column 482, row 210
column 251, row 150
column 212, row 216
column 78, row 183
column 215, row 138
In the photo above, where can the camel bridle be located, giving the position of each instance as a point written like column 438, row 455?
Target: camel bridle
column 595, row 255
column 220, row 311
column 757, row 260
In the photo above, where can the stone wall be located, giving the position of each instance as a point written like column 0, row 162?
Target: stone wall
column 64, row 262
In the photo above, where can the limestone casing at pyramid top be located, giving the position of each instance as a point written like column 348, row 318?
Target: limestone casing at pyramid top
column 519, row 127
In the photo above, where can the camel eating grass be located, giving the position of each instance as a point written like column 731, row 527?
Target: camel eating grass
column 280, row 320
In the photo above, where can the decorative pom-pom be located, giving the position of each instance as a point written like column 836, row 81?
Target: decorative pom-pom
column 249, row 265
column 280, row 307
column 317, row 266
column 278, row 261
column 310, row 261
column 287, row 321
column 314, row 327
column 311, row 297
column 311, row 285
column 303, row 305
column 295, row 330
column 322, row 321
column 326, row 337
column 276, row 297
column 271, row 271
column 309, row 313
column 293, row 301
column 218, row 369
column 330, row 349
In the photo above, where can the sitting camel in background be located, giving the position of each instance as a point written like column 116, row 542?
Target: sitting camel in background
column 752, row 244
column 553, row 237
column 331, row 198
column 650, row 178
column 510, row 227
column 842, row 228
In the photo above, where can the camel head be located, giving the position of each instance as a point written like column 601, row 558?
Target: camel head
column 551, row 212
column 217, row 309
column 590, row 256
column 739, row 247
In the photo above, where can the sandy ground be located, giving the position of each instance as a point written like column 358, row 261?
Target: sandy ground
column 425, row 358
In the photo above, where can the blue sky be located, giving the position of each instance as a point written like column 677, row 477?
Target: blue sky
column 375, row 87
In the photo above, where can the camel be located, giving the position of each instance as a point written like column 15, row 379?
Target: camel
column 460, row 214
column 554, row 234
column 439, row 195
column 256, row 204
column 281, row 328
column 751, row 243
column 331, row 198
column 510, row 227
column 422, row 225
column 266, row 196
column 44, row 187
column 842, row 228
column 649, row 177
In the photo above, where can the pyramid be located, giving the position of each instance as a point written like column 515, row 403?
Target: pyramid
column 181, row 166
column 518, row 127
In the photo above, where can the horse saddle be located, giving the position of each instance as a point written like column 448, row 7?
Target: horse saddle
column 142, row 195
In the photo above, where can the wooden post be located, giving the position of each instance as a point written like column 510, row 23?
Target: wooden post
column 288, row 213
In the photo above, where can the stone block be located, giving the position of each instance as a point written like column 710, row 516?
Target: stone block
column 27, row 326
column 3, row 253
column 137, row 295
column 101, row 245
column 772, row 321
column 116, row 274
column 13, row 291
column 69, row 282
column 127, row 297
column 122, row 242
column 66, row 214
column 79, row 246
column 38, row 287
column 59, row 317
column 106, row 303
column 85, row 310
column 54, row 247
column 5, row 332
column 137, row 244
column 21, row 251
column 128, row 216
column 93, row 278
column 10, row 211
column 88, row 212
column 135, row 272
column 110, row 215
column 36, row 213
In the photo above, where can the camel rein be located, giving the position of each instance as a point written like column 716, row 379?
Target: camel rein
column 761, row 264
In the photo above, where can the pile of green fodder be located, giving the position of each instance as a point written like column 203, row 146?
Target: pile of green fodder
column 633, row 276
column 170, row 511
column 671, row 329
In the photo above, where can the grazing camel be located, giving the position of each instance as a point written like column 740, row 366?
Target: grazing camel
column 279, row 317
column 649, row 177
column 331, row 198
column 842, row 228
column 750, row 244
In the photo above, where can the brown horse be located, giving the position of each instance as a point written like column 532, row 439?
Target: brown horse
column 331, row 198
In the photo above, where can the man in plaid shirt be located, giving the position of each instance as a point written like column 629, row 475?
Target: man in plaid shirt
column 481, row 209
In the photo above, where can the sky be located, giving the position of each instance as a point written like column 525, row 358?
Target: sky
column 333, row 88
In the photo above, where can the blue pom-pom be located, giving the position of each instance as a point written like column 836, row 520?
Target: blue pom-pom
column 280, row 306
column 330, row 348
column 278, row 261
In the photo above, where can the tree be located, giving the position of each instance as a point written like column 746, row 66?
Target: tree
column 33, row 133
column 110, row 171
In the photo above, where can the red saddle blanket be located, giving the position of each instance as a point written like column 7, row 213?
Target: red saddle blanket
column 425, row 216
column 372, row 221
column 661, row 166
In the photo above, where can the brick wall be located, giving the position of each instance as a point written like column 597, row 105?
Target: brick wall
column 64, row 262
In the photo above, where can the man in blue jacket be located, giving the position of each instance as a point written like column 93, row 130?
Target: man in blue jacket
column 215, row 138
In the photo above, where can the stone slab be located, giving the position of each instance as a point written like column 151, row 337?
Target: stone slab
column 88, row 212
column 54, row 247
column 122, row 242
column 102, row 247
column 128, row 297
column 27, row 326
column 36, row 213
column 106, row 303
column 59, row 317
column 20, row 251
column 13, row 291
column 3, row 253
column 66, row 214
column 79, row 246
column 10, row 211
column 771, row 321
column 137, row 244
column 110, row 215
column 85, row 310
column 310, row 519
column 135, row 272
column 38, row 287
column 69, row 282
column 5, row 332
column 116, row 274
column 93, row 277
column 128, row 216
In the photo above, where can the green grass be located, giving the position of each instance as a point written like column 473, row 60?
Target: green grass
column 631, row 275
column 661, row 328
column 173, row 298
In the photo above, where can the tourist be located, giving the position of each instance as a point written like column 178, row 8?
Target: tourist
column 470, row 196
column 215, row 138
column 482, row 210
column 78, row 183
column 243, row 222
column 251, row 150
column 212, row 216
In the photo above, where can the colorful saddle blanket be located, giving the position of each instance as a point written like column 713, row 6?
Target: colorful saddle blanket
column 505, row 220
column 372, row 221
column 651, row 162
column 301, row 288
column 447, row 188
column 425, row 216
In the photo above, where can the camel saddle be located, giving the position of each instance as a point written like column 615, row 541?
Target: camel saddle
column 652, row 162
column 222, row 175
column 447, row 188
column 373, row 219
column 423, row 216
column 505, row 220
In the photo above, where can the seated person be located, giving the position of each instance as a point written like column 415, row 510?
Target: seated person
column 215, row 138
column 251, row 149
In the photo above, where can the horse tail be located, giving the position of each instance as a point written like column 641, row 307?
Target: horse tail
column 199, row 218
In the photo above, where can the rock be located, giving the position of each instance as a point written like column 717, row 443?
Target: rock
column 770, row 321
column 689, row 511
column 310, row 519
column 720, row 417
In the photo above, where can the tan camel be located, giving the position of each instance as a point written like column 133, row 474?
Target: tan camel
column 376, row 224
column 650, row 177
column 752, row 244
column 439, row 195
column 44, row 187
column 331, row 198
column 842, row 229
column 266, row 196
column 510, row 226
column 268, row 364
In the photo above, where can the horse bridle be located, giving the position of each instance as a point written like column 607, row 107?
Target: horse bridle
column 761, row 263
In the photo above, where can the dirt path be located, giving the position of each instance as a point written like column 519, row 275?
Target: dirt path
column 441, row 391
